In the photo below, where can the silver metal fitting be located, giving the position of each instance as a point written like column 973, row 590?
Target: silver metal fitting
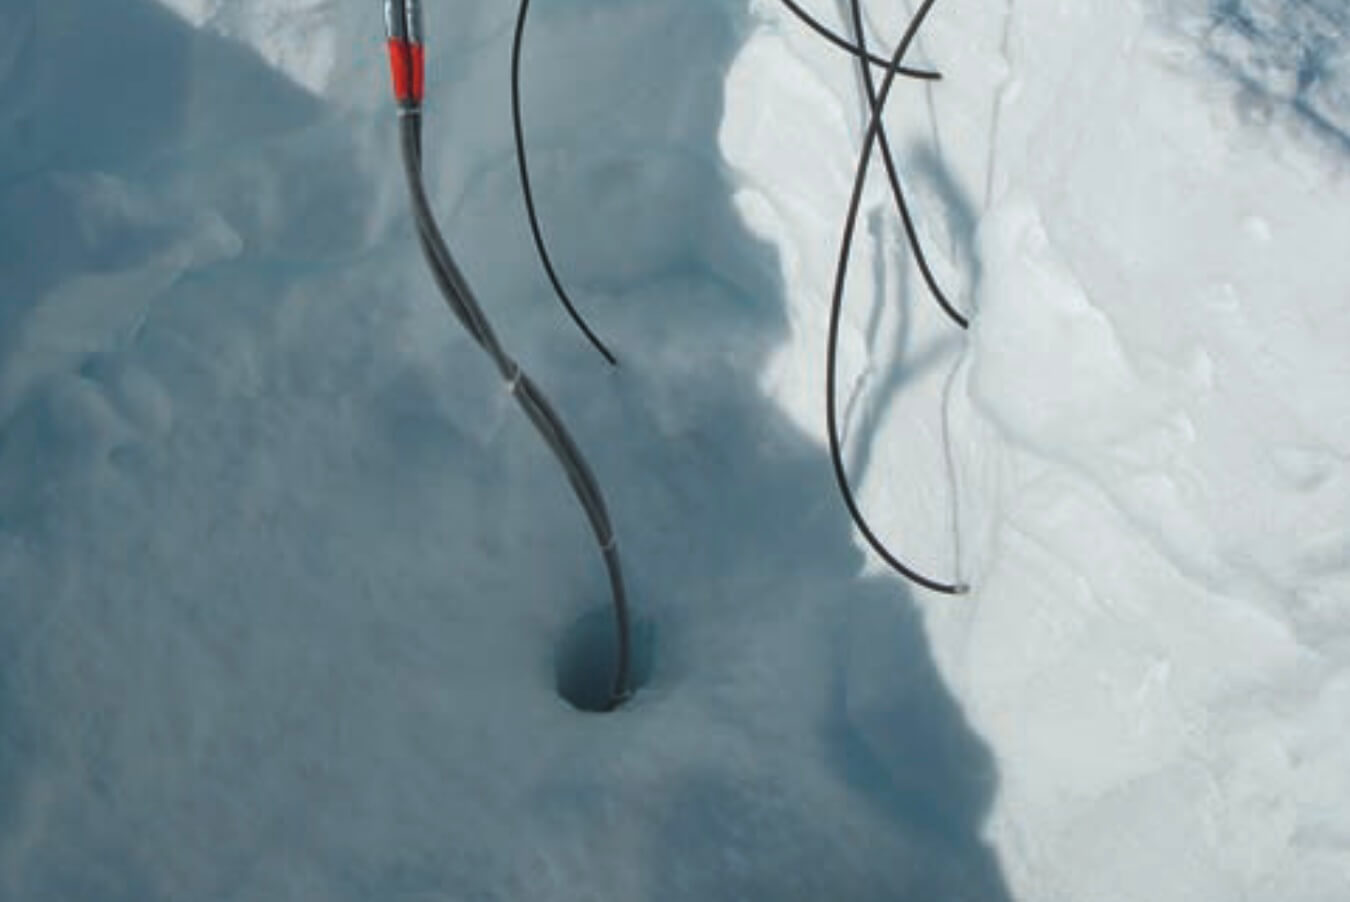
column 395, row 20
column 412, row 19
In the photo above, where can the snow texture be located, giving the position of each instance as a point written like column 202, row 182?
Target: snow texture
column 287, row 582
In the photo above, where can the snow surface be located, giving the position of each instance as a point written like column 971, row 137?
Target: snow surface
column 285, row 576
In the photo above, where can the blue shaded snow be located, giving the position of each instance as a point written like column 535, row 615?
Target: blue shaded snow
column 1295, row 52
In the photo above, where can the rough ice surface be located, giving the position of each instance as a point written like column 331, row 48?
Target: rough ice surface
column 286, row 580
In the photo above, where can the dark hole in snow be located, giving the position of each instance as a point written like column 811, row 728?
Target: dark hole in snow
column 584, row 665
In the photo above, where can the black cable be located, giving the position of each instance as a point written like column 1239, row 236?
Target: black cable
column 458, row 295
column 536, row 231
column 857, row 50
column 911, row 233
column 836, row 305
column 526, row 181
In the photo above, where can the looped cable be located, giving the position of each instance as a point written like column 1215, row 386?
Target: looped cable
column 858, row 50
column 874, row 128
column 893, row 176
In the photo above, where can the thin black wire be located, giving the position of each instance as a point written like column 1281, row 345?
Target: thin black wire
column 893, row 175
column 858, row 50
column 459, row 296
column 876, row 132
column 836, row 305
column 527, row 183
column 536, row 230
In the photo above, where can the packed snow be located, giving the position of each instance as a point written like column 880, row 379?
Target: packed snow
column 287, row 582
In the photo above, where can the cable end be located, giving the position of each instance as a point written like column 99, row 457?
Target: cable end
column 407, row 56
column 395, row 20
column 412, row 20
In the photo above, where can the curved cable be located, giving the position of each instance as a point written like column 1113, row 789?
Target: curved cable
column 527, row 185
column 856, row 50
column 911, row 233
column 455, row 289
column 526, row 189
column 403, row 23
column 836, row 305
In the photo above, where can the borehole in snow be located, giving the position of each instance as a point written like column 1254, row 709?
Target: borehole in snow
column 584, row 662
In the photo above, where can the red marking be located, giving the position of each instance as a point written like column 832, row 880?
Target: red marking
column 401, row 68
column 418, row 72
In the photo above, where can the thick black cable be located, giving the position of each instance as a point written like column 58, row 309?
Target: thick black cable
column 893, row 175
column 836, row 305
column 522, row 162
column 458, row 295
column 857, row 50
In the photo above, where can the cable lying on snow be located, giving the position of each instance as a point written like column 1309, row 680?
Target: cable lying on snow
column 876, row 133
column 876, row 108
column 527, row 183
column 407, row 61
column 403, row 24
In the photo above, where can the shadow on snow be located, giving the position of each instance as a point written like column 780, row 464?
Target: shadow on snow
column 1292, row 52
column 233, row 529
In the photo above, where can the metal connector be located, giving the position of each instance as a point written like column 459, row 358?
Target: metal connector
column 412, row 20
column 407, row 65
column 395, row 20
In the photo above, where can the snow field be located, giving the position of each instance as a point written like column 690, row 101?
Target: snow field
column 284, row 575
